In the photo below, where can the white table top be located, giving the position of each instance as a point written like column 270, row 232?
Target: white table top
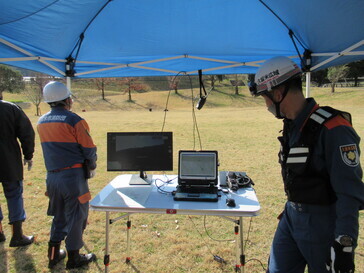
column 119, row 196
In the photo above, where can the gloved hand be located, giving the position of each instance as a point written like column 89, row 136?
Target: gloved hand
column 92, row 173
column 28, row 162
column 341, row 259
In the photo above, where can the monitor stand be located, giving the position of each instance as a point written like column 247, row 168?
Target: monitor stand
column 140, row 179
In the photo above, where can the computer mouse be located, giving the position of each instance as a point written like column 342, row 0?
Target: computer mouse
column 230, row 202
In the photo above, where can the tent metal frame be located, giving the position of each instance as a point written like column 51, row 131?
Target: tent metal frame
column 141, row 65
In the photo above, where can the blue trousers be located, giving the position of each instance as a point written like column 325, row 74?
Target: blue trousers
column 303, row 238
column 14, row 197
column 69, row 211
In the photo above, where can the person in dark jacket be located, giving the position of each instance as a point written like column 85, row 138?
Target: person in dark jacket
column 14, row 126
column 319, row 157
column 70, row 159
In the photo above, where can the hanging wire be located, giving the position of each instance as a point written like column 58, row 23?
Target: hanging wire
column 194, row 119
column 169, row 93
column 195, row 126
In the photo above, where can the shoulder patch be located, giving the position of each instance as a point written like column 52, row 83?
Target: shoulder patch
column 349, row 154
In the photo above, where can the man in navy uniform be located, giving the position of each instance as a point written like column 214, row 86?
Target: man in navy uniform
column 322, row 176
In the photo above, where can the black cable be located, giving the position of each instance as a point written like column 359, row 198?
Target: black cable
column 290, row 32
column 246, row 241
column 83, row 32
column 159, row 187
column 30, row 14
column 216, row 258
column 276, row 15
column 253, row 259
column 166, row 110
column 195, row 127
column 247, row 237
column 217, row 240
column 169, row 93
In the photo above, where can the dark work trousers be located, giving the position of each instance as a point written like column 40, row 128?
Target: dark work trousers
column 13, row 192
column 303, row 238
column 69, row 212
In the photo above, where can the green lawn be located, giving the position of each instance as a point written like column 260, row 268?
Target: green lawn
column 238, row 126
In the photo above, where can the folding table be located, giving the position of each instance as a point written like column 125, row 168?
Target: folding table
column 119, row 196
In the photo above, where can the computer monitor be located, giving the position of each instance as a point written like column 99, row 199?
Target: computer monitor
column 140, row 151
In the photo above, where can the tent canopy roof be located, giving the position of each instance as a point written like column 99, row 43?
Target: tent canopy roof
column 119, row 38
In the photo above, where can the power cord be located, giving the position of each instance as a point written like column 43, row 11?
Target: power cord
column 216, row 257
column 208, row 234
column 220, row 259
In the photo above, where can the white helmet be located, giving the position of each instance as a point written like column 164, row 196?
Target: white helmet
column 55, row 91
column 272, row 73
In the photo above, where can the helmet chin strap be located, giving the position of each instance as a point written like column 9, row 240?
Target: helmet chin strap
column 278, row 103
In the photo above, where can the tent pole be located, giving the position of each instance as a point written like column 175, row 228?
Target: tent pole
column 68, row 81
column 308, row 84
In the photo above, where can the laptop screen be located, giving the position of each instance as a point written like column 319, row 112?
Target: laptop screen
column 197, row 167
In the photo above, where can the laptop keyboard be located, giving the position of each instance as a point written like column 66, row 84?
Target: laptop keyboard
column 209, row 194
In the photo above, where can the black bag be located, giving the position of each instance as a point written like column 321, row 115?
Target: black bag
column 86, row 169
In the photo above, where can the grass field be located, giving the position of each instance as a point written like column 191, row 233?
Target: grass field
column 238, row 126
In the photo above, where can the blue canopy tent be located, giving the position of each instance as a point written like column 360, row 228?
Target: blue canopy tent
column 120, row 38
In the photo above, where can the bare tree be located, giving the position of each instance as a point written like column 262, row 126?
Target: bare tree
column 101, row 84
column 132, row 84
column 34, row 90
column 236, row 83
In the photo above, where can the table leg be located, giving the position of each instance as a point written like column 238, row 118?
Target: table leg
column 107, row 256
column 237, row 249
column 242, row 255
column 128, row 225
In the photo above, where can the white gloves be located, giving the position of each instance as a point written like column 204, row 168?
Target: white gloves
column 29, row 163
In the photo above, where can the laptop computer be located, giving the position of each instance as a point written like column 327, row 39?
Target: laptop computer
column 197, row 176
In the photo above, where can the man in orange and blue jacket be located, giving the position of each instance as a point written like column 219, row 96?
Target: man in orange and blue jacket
column 70, row 159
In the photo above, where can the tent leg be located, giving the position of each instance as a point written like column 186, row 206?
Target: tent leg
column 68, row 81
column 308, row 84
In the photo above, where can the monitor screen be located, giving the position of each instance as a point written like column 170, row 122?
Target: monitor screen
column 139, row 151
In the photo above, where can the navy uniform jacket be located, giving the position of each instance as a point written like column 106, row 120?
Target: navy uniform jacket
column 337, row 153
column 14, row 126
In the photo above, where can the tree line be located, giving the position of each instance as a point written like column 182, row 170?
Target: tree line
column 12, row 80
